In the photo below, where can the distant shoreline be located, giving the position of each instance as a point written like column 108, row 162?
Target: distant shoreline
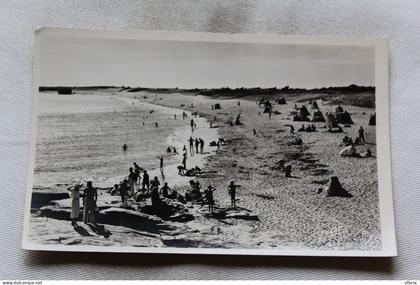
column 352, row 88
column 362, row 96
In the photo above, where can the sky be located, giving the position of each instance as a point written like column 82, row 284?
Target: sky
column 81, row 61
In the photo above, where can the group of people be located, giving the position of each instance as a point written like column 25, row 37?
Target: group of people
column 194, row 193
column 90, row 197
column 350, row 149
column 198, row 143
column 309, row 128
column 139, row 186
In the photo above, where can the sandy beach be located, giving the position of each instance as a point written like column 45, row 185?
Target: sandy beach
column 273, row 211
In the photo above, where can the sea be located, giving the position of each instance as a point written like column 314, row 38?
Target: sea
column 79, row 137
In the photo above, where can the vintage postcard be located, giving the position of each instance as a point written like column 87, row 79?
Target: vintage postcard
column 209, row 143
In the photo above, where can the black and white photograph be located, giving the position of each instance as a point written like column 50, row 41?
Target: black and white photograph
column 209, row 143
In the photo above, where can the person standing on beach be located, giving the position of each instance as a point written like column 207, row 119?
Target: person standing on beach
column 123, row 189
column 184, row 161
column 161, row 163
column 201, row 145
column 137, row 170
column 156, row 124
column 232, row 192
column 164, row 191
column 208, row 194
column 75, row 203
column 362, row 134
column 184, row 150
column 132, row 181
column 90, row 196
column 197, row 144
column 193, row 125
column 191, row 141
column 146, row 181
column 154, row 189
column 124, row 147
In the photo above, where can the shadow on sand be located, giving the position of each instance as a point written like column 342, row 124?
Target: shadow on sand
column 81, row 231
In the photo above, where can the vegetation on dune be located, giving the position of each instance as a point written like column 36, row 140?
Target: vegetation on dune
column 362, row 96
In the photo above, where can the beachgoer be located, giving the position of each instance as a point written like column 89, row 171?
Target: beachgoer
column 288, row 170
column 218, row 144
column 156, row 124
column 132, row 181
column 161, row 163
column 90, row 196
column 191, row 141
column 154, row 192
column 208, row 194
column 302, row 128
column 211, row 124
column 348, row 151
column 181, row 169
column 174, row 116
column 164, row 191
column 201, row 145
column 169, row 150
column 197, row 144
column 232, row 192
column 124, row 147
column 361, row 134
column 75, row 203
column 255, row 132
column 123, row 189
column 145, row 182
column 174, row 150
column 114, row 190
column 239, row 103
column 184, row 161
column 193, row 125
